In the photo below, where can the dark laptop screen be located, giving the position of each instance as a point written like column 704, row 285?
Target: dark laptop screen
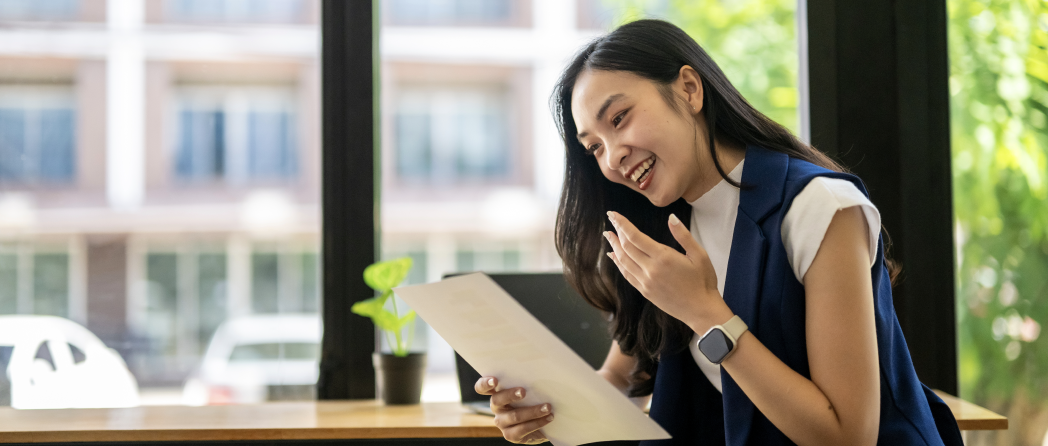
column 549, row 298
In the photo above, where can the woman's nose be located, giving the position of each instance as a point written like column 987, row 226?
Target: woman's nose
column 616, row 155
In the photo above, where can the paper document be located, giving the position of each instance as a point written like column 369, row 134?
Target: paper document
column 498, row 337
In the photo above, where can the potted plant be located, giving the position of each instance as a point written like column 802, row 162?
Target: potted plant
column 400, row 372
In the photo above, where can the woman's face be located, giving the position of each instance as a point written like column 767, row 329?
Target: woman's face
column 637, row 138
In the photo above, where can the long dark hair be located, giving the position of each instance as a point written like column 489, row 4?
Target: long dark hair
column 654, row 50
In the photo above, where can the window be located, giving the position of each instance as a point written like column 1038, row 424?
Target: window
column 284, row 282
column 449, row 134
column 450, row 12
column 37, row 280
column 136, row 181
column 293, row 351
column 235, row 134
column 999, row 149
column 235, row 11
column 39, row 9
column 190, row 290
column 5, row 381
column 37, row 136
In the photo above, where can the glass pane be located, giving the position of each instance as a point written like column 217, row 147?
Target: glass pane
column 8, row 283
column 999, row 137
column 449, row 12
column 265, row 291
column 212, row 283
column 51, row 284
column 140, row 178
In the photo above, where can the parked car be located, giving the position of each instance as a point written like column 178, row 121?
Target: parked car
column 48, row 362
column 258, row 358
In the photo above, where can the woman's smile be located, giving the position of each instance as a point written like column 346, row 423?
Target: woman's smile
column 641, row 173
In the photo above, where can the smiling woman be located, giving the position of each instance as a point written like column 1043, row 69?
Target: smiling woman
column 776, row 290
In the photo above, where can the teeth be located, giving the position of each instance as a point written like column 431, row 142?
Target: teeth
column 642, row 169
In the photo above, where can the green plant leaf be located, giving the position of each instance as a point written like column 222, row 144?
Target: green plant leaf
column 383, row 276
column 370, row 307
column 386, row 321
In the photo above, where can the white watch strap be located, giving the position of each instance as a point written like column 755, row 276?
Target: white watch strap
column 735, row 327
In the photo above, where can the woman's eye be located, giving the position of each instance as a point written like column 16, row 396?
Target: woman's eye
column 618, row 118
column 592, row 149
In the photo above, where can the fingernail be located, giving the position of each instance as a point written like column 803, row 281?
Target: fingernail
column 519, row 393
column 549, row 418
column 611, row 256
column 491, row 382
column 545, row 408
column 611, row 216
column 674, row 220
column 607, row 235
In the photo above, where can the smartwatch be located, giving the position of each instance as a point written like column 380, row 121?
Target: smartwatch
column 719, row 341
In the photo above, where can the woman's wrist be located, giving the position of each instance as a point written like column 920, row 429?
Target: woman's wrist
column 706, row 318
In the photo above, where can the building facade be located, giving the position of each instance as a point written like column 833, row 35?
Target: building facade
column 159, row 159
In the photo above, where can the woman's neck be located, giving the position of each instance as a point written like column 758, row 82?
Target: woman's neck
column 729, row 154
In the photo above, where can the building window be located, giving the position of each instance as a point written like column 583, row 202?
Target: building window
column 449, row 12
column 39, row 9
column 284, row 282
column 37, row 134
column 235, row 134
column 235, row 11
column 34, row 280
column 185, row 301
column 452, row 134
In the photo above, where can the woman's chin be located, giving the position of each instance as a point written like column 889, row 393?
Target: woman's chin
column 660, row 201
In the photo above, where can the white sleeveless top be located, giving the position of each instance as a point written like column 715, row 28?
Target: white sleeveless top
column 803, row 228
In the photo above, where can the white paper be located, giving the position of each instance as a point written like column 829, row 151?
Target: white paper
column 498, row 337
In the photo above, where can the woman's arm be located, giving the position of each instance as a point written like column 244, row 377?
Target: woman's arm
column 840, row 404
column 617, row 367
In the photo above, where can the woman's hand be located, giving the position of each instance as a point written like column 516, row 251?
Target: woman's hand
column 682, row 285
column 518, row 425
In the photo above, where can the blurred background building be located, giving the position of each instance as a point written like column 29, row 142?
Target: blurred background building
column 159, row 159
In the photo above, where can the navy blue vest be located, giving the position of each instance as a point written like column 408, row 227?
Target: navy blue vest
column 761, row 289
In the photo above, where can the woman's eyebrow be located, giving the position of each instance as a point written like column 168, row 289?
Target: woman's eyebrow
column 607, row 103
column 603, row 109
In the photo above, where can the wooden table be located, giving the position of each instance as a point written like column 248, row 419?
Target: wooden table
column 353, row 422
column 971, row 417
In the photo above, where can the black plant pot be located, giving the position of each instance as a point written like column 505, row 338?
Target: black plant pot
column 399, row 378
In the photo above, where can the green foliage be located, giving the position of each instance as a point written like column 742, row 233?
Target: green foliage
column 998, row 53
column 382, row 277
column 753, row 41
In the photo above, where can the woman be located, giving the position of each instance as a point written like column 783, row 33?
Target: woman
column 770, row 321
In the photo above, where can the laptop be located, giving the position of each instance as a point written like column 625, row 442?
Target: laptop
column 549, row 298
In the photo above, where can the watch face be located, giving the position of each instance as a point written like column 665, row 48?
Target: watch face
column 715, row 345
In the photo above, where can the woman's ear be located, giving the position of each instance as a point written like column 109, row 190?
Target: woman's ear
column 689, row 84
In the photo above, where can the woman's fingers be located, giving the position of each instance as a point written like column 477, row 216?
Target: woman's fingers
column 521, row 432
column 629, row 277
column 535, row 438
column 631, row 234
column 503, row 398
column 511, row 418
column 486, row 385
column 518, row 425
column 622, row 258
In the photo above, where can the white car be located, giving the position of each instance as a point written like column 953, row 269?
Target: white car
column 48, row 362
column 258, row 358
